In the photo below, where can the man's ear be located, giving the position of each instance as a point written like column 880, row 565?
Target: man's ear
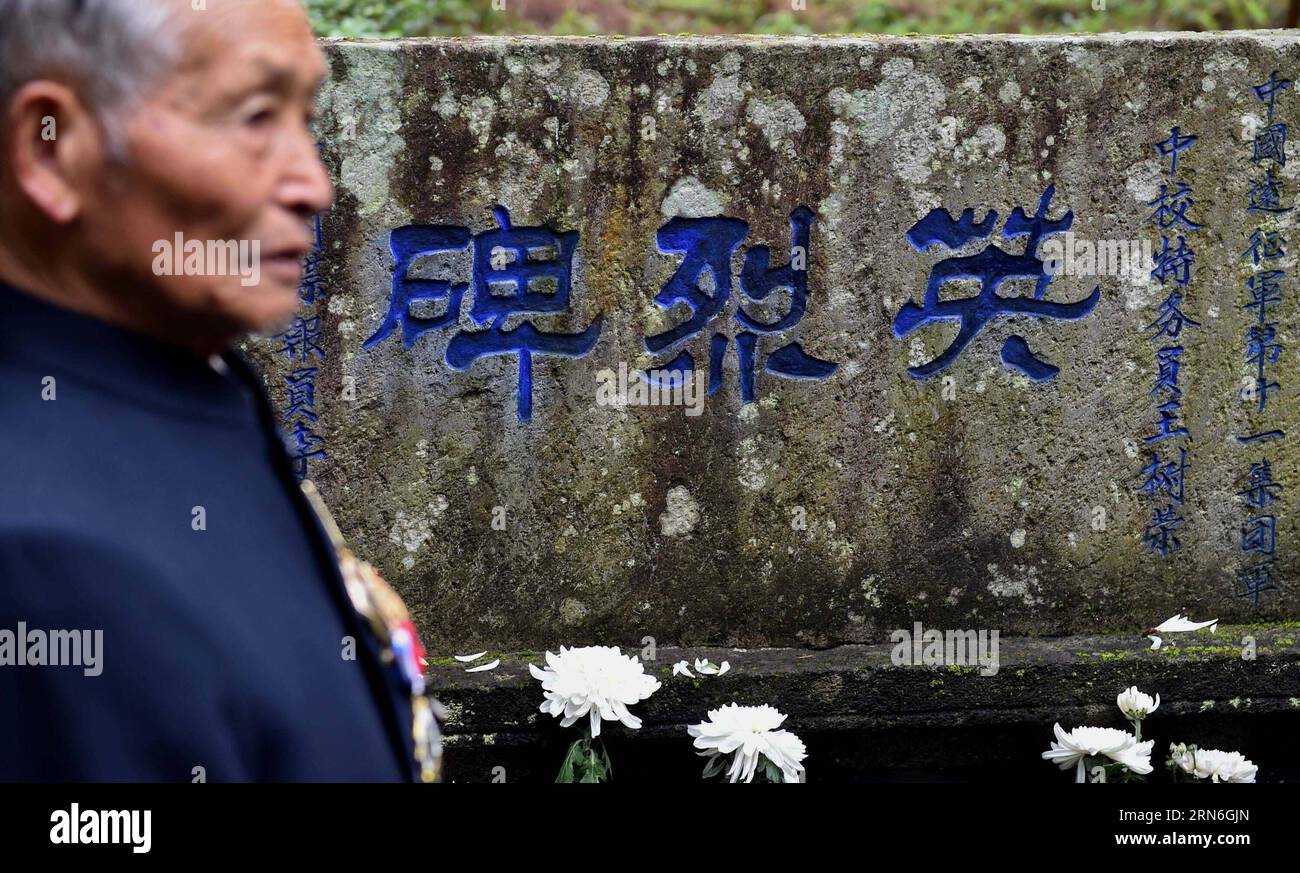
column 54, row 146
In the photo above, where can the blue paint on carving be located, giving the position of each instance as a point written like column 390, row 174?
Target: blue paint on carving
column 675, row 371
column 793, row 362
column 1257, row 579
column 1175, row 261
column 1160, row 535
column 1169, row 423
column 1270, row 144
column 717, row 350
column 707, row 246
column 1170, row 318
column 1171, row 147
column 1165, row 478
column 1261, row 437
column 525, row 340
column 938, row 226
column 302, row 339
column 992, row 266
column 1016, row 355
column 1169, row 367
column 1266, row 194
column 408, row 244
column 758, row 280
column 1261, row 489
column 1267, row 92
column 505, row 267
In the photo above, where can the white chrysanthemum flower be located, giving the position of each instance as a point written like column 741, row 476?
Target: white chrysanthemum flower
column 1136, row 705
column 1220, row 766
column 1074, row 747
column 1137, row 757
column 596, row 681
column 1183, row 758
column 748, row 733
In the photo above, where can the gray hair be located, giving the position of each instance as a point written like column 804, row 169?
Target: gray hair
column 112, row 51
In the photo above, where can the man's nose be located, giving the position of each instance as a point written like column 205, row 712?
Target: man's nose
column 306, row 188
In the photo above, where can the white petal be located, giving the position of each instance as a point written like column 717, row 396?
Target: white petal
column 490, row 665
column 465, row 659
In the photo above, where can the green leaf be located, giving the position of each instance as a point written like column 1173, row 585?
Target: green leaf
column 572, row 757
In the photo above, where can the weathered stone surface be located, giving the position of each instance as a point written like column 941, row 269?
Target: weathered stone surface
column 977, row 498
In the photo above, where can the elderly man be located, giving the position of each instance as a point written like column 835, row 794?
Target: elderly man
column 151, row 528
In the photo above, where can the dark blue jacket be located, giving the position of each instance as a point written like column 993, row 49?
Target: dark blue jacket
column 222, row 648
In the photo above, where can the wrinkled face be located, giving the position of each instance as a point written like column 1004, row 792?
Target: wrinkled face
column 220, row 153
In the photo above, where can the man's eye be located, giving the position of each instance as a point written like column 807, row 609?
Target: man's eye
column 260, row 117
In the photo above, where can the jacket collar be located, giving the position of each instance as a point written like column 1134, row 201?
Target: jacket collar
column 122, row 363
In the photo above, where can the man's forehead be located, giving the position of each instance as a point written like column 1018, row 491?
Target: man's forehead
column 251, row 40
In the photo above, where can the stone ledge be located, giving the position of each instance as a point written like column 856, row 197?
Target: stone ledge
column 864, row 718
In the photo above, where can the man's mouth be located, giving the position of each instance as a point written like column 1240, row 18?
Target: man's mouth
column 285, row 265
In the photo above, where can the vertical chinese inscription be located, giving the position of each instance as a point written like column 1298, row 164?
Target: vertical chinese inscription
column 1263, row 301
column 301, row 343
column 1164, row 476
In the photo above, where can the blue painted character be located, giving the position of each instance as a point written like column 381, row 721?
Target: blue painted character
column 1261, row 490
column 1160, row 535
column 305, row 445
column 1170, row 318
column 1174, row 261
column 1259, row 534
column 1262, row 345
column 1270, row 144
column 1169, row 423
column 518, row 273
column 1171, row 207
column 992, row 266
column 1257, row 579
column 302, row 339
column 1169, row 366
column 1266, row 194
column 1165, row 477
column 310, row 288
column 1267, row 92
column 1265, row 245
column 302, row 394
column 507, row 262
column 1173, row 146
column 703, row 282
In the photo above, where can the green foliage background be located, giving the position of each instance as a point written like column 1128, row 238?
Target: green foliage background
column 392, row 18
